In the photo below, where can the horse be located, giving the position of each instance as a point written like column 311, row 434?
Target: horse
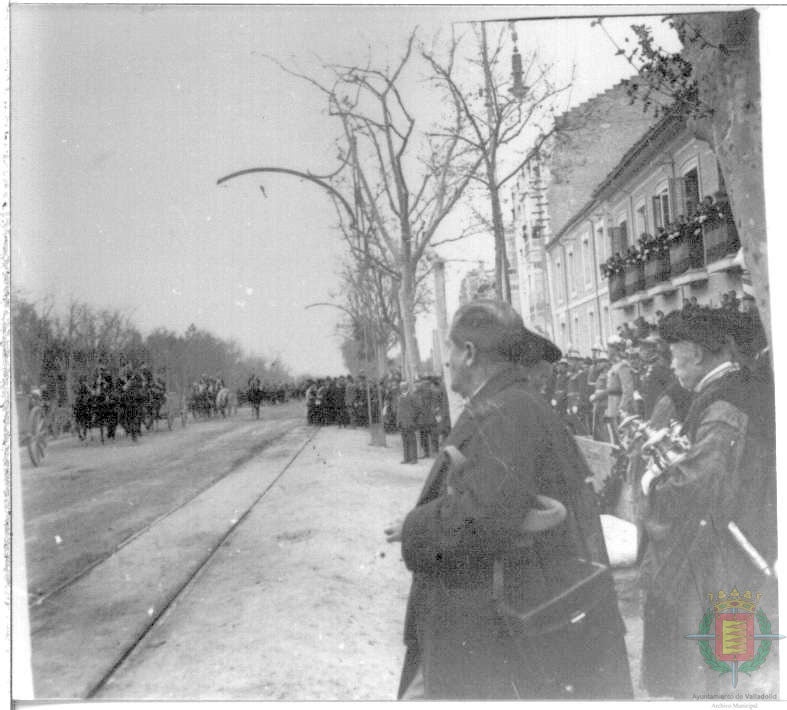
column 254, row 395
column 132, row 403
column 201, row 403
column 95, row 411
column 154, row 399
column 226, row 402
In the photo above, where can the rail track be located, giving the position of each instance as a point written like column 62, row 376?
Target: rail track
column 40, row 598
column 110, row 665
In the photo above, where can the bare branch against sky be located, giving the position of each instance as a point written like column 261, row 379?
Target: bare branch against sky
column 123, row 117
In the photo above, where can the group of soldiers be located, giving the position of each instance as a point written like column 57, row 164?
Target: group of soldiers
column 593, row 394
column 419, row 412
column 347, row 401
column 128, row 397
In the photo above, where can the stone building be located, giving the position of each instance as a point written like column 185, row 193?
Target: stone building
column 656, row 231
column 590, row 140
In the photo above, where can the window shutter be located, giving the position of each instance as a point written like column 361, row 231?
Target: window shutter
column 614, row 238
column 658, row 221
column 677, row 191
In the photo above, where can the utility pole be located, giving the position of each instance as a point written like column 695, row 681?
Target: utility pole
column 455, row 402
column 502, row 283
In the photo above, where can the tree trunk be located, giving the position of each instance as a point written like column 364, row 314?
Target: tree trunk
column 502, row 283
column 411, row 357
column 729, row 81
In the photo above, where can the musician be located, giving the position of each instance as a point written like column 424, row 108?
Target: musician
column 728, row 474
column 467, row 524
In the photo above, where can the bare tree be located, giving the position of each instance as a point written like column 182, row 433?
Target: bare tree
column 497, row 120
column 402, row 180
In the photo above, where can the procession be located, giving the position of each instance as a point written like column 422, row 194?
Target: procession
column 435, row 360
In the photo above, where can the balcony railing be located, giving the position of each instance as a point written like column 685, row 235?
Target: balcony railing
column 696, row 248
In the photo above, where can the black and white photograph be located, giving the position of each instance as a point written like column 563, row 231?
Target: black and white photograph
column 393, row 352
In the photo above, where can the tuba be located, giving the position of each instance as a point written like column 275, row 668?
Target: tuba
column 662, row 447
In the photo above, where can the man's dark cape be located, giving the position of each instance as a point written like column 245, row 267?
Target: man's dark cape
column 515, row 448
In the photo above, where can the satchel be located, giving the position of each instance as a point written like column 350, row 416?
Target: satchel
column 585, row 585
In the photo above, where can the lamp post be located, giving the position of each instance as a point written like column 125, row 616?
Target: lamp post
column 376, row 431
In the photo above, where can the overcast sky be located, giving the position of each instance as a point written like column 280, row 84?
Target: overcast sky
column 123, row 118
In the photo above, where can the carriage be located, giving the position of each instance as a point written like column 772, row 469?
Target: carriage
column 39, row 421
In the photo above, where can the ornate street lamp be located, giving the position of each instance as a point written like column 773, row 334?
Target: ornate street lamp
column 519, row 90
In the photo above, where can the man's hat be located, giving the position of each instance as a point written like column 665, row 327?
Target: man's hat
column 573, row 353
column 535, row 348
column 709, row 327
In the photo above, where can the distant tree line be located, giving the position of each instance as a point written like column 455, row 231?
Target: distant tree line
column 53, row 351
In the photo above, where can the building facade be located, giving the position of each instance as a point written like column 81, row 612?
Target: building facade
column 587, row 144
column 656, row 232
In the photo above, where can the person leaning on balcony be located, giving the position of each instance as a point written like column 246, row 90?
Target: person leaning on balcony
column 728, row 474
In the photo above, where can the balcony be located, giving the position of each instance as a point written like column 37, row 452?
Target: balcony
column 698, row 251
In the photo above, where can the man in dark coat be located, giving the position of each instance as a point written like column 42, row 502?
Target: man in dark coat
column 406, row 419
column 727, row 475
column 426, row 422
column 465, row 536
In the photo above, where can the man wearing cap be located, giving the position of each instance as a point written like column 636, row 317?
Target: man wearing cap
column 657, row 379
column 578, row 399
column 464, row 540
column 727, row 477
column 620, row 386
column 597, row 382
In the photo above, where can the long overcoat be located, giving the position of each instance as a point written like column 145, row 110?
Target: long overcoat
column 729, row 475
column 515, row 447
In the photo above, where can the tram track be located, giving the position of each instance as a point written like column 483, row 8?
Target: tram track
column 110, row 626
column 40, row 598
column 191, row 579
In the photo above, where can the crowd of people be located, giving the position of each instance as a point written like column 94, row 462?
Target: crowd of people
column 418, row 412
column 511, row 594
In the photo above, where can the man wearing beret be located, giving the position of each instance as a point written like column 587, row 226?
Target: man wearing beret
column 469, row 549
column 727, row 476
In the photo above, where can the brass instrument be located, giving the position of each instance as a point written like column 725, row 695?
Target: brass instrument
column 663, row 447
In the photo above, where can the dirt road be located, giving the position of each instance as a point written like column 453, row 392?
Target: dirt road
column 88, row 498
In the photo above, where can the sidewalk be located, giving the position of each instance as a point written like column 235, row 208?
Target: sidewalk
column 305, row 601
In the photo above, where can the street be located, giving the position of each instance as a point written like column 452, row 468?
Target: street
column 155, row 567
column 230, row 560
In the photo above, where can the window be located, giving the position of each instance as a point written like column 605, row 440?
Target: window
column 587, row 260
column 641, row 217
column 558, row 280
column 661, row 213
column 592, row 328
column 691, row 192
column 571, row 273
column 602, row 248
column 620, row 237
